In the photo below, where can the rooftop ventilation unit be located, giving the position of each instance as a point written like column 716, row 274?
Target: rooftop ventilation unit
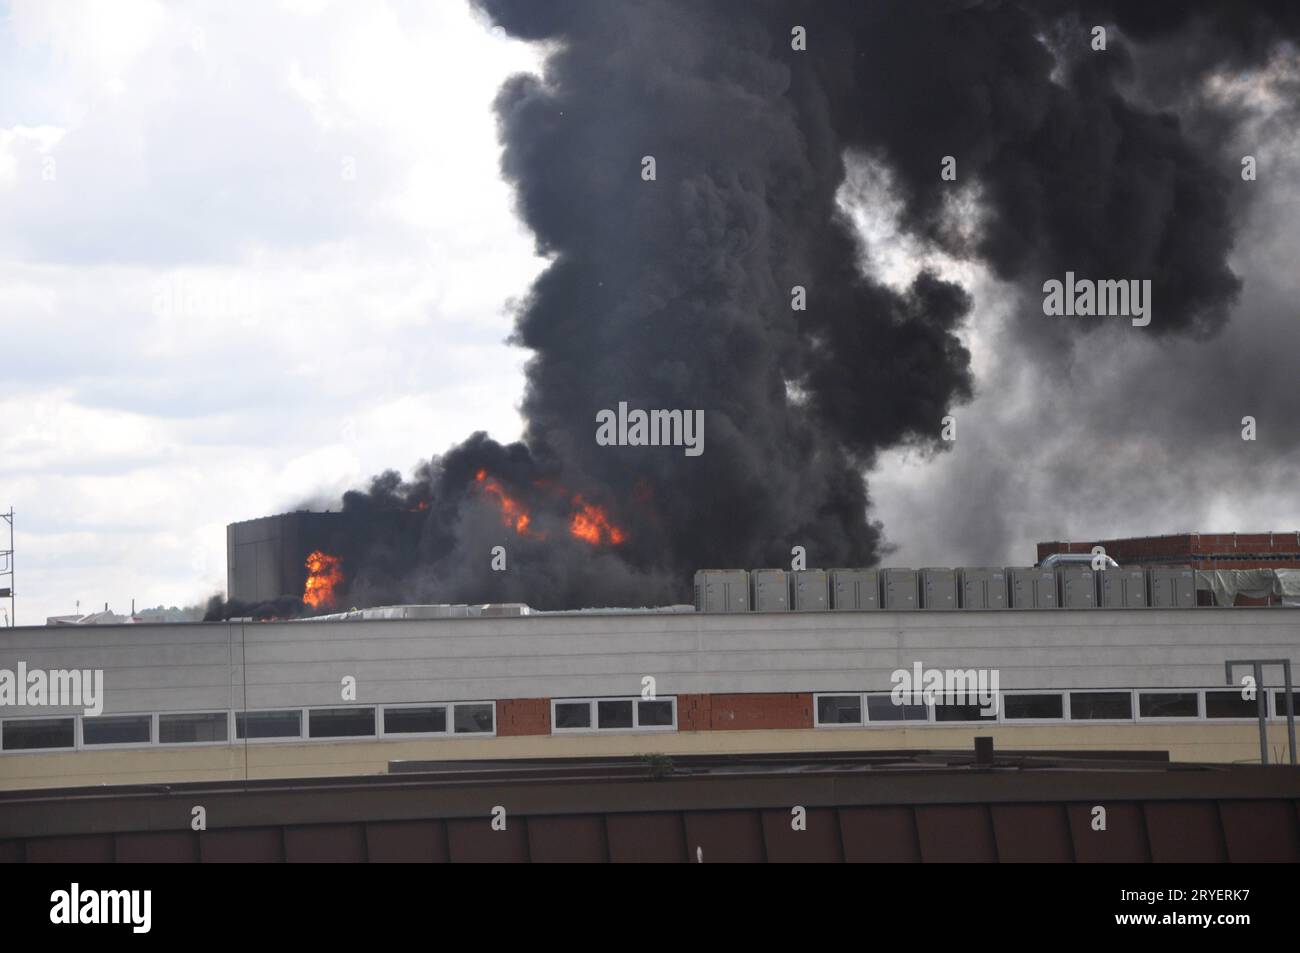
column 810, row 590
column 854, row 590
column 982, row 588
column 938, row 589
column 769, row 590
column 722, row 590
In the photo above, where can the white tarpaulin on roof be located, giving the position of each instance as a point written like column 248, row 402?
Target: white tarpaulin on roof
column 1253, row 583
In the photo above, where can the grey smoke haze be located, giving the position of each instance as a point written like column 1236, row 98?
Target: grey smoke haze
column 676, row 293
column 1085, row 428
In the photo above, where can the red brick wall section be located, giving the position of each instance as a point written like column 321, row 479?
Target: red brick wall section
column 693, row 712
column 523, row 716
column 1203, row 550
column 738, row 712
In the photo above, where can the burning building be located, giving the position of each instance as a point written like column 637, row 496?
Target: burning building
column 267, row 558
column 395, row 544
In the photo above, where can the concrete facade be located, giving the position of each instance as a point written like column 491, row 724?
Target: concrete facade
column 191, row 667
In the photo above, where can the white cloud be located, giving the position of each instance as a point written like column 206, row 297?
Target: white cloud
column 205, row 318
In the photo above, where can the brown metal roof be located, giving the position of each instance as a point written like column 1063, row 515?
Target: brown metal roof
column 926, row 806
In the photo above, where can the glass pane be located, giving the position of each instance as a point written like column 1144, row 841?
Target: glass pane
column 1033, row 706
column 117, row 730
column 268, row 724
column 945, row 711
column 1168, row 705
column 614, row 714
column 1101, row 705
column 473, row 719
column 431, row 720
column 654, row 714
column 882, row 708
column 573, row 714
column 341, row 723
column 1279, row 704
column 192, row 729
column 839, row 710
column 38, row 733
column 1230, row 704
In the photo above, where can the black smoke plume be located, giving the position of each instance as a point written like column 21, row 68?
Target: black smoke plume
column 676, row 293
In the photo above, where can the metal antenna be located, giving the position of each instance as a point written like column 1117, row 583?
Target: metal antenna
column 7, row 568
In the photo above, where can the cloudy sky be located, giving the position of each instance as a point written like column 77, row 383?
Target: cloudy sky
column 251, row 255
column 244, row 260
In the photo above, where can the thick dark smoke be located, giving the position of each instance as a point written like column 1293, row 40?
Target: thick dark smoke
column 676, row 293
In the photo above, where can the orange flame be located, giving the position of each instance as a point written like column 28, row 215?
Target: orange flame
column 323, row 574
column 513, row 513
column 591, row 524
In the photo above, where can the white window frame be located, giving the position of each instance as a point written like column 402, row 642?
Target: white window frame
column 82, row 745
column 306, row 727
column 1177, row 719
column 595, row 729
column 447, row 716
column 280, row 740
column 833, row 725
column 451, row 720
column 76, row 733
column 895, row 722
column 934, row 707
column 230, row 729
column 1132, row 706
column 1060, row 692
column 1235, row 719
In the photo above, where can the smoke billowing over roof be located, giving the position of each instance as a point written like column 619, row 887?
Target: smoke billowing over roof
column 676, row 292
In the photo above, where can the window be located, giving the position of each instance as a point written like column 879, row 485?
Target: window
column 655, row 714
column 882, row 708
column 1229, row 704
column 1041, row 707
column 839, row 710
column 1101, row 706
column 191, row 729
column 268, row 724
column 613, row 714
column 426, row 720
column 476, row 718
column 1279, row 704
column 570, row 715
column 30, row 734
column 117, row 730
column 340, row 722
column 945, row 710
column 1169, row 704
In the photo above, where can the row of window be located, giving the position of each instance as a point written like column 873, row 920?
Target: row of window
column 214, row 727
column 387, row 721
column 613, row 714
column 839, row 710
column 578, row 715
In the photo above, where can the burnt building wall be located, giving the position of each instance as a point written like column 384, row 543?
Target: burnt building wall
column 266, row 557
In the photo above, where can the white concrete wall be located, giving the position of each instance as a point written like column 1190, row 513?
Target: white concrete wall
column 190, row 667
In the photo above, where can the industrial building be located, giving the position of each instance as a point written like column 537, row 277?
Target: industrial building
column 336, row 697
column 266, row 558
column 679, row 733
